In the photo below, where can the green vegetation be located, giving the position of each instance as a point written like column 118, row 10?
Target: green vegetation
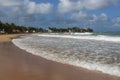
column 6, row 28
column 74, row 29
column 13, row 28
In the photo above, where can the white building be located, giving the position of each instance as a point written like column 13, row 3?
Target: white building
column 2, row 31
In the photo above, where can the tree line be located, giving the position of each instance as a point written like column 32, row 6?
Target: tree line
column 73, row 29
column 10, row 28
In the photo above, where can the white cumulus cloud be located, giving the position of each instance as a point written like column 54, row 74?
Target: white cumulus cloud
column 65, row 6
column 10, row 2
column 98, row 4
column 101, row 17
column 79, row 15
column 27, row 6
column 37, row 8
column 116, row 22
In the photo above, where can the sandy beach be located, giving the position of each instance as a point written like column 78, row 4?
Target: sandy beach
column 8, row 37
column 17, row 64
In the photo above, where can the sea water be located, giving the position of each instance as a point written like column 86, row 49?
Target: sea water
column 94, row 51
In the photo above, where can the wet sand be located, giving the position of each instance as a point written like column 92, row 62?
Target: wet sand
column 17, row 64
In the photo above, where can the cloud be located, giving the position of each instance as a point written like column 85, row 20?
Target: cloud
column 37, row 8
column 101, row 17
column 79, row 15
column 66, row 6
column 98, row 4
column 27, row 6
column 2, row 13
column 94, row 18
column 23, row 12
column 10, row 2
column 116, row 22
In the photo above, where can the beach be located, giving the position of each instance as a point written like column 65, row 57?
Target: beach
column 8, row 37
column 17, row 64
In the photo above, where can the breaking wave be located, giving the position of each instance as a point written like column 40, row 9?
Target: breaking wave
column 94, row 52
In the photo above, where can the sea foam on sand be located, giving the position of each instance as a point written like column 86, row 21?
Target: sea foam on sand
column 32, row 48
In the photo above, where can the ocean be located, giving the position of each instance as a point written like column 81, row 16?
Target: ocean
column 94, row 51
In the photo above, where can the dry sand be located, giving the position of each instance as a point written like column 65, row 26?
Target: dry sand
column 8, row 37
column 17, row 64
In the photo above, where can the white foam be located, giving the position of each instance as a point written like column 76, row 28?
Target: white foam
column 109, row 69
column 86, row 33
column 93, row 37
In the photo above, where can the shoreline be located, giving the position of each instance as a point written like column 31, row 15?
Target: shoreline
column 9, row 37
column 17, row 64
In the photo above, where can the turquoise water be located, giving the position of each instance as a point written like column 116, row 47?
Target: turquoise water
column 108, row 33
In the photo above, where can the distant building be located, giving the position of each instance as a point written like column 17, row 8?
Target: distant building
column 16, row 31
column 33, row 31
column 26, row 31
column 2, row 31
column 49, row 30
column 70, row 31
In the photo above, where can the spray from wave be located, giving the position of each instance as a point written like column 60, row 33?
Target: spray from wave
column 86, row 36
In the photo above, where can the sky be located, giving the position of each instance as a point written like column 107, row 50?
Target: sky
column 100, row 15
